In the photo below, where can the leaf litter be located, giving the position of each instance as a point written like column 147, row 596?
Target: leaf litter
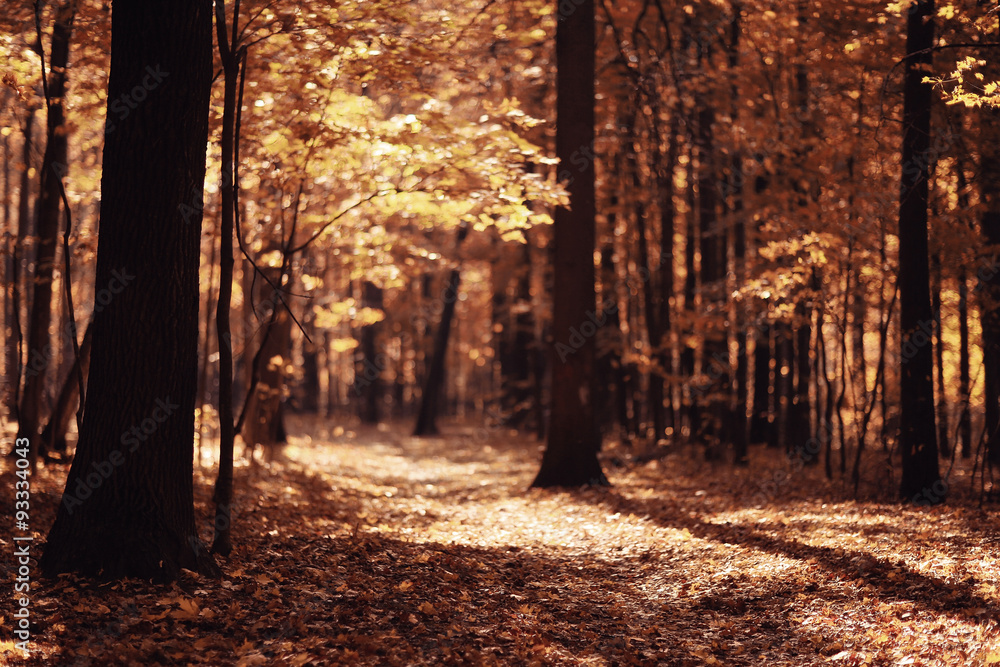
column 369, row 547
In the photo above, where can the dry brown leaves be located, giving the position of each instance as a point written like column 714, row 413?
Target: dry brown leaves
column 370, row 547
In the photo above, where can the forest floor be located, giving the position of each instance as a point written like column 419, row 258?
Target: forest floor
column 367, row 546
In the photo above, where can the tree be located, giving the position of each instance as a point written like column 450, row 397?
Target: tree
column 570, row 457
column 989, row 116
column 430, row 398
column 128, row 505
column 47, row 228
column 921, row 480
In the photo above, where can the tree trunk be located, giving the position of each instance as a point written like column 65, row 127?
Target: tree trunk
column 11, row 368
column 647, row 287
column 690, row 288
column 989, row 308
column 128, row 508
column 570, row 457
column 54, row 433
column 761, row 417
column 431, row 394
column 921, row 482
column 799, row 418
column 368, row 378
column 40, row 349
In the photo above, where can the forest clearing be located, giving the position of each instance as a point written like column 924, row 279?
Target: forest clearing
column 372, row 547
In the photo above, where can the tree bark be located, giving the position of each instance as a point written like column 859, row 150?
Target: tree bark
column 989, row 273
column 570, row 457
column 918, row 436
column 128, row 509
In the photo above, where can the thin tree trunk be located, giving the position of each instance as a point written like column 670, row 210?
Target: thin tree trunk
column 655, row 391
column 54, row 433
column 46, row 234
column 368, row 379
column 223, row 493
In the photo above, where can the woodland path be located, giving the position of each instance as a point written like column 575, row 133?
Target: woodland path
column 366, row 546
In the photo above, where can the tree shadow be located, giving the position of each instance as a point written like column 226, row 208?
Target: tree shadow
column 894, row 581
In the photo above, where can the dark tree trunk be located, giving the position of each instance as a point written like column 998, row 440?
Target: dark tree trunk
column 11, row 369
column 800, row 409
column 515, row 335
column 368, row 378
column 610, row 395
column 54, row 433
column 918, row 436
column 574, row 440
column 222, row 494
column 431, row 394
column 128, row 508
column 15, row 355
column 989, row 182
column 40, row 349
column 761, row 417
column 647, row 287
column 715, row 356
column 688, row 353
column 784, row 376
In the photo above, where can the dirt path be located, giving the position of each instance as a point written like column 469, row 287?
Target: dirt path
column 370, row 547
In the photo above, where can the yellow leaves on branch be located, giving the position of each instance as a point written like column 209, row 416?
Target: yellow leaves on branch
column 968, row 86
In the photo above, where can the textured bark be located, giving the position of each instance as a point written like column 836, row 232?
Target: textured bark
column 918, row 437
column 40, row 348
column 570, row 457
column 128, row 506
